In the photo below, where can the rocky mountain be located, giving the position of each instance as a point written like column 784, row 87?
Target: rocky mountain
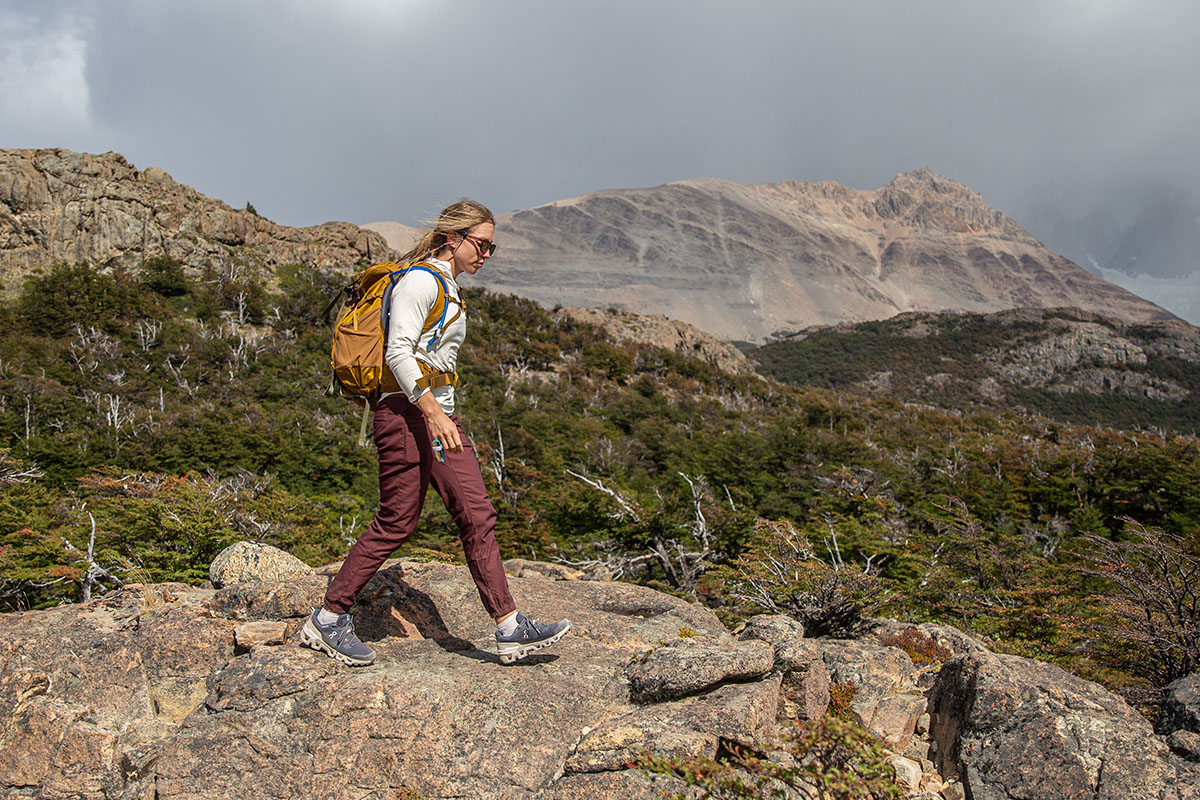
column 738, row 262
column 743, row 262
column 1068, row 363
column 171, row 691
column 399, row 237
column 59, row 206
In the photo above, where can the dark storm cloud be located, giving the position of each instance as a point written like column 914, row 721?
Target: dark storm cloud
column 387, row 109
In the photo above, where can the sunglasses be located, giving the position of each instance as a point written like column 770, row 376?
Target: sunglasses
column 486, row 246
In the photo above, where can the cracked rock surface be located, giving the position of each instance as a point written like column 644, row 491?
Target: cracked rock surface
column 145, row 693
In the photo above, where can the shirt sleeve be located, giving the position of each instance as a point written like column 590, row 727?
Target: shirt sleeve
column 412, row 298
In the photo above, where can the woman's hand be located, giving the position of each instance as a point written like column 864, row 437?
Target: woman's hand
column 441, row 427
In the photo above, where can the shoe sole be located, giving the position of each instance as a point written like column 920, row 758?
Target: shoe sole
column 311, row 637
column 519, row 651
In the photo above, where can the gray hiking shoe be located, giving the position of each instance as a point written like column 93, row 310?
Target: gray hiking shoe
column 337, row 639
column 530, row 635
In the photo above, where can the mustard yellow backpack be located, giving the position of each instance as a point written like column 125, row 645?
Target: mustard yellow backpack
column 360, row 335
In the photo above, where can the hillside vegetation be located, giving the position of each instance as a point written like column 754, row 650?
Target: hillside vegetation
column 154, row 417
column 1067, row 364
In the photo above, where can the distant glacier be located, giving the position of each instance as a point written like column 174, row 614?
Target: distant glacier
column 1180, row 296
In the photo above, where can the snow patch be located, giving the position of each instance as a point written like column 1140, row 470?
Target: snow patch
column 1180, row 296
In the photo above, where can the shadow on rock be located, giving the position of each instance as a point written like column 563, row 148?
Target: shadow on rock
column 390, row 607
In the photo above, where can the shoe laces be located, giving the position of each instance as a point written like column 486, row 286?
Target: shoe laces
column 535, row 628
column 346, row 635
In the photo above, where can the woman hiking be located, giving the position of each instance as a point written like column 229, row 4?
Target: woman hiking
column 420, row 443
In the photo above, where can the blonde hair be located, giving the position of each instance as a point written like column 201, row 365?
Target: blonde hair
column 457, row 217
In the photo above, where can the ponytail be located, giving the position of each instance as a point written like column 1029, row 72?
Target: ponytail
column 457, row 217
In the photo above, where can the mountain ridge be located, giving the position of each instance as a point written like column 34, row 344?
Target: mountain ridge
column 740, row 262
column 743, row 262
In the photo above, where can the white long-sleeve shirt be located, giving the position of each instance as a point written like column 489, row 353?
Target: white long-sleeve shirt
column 412, row 298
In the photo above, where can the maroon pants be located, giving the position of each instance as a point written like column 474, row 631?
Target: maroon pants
column 407, row 466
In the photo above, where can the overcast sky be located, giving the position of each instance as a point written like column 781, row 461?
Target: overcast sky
column 374, row 110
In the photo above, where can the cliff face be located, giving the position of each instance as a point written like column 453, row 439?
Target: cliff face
column 59, row 206
column 743, row 262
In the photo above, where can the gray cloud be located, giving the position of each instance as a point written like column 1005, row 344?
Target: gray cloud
column 387, row 109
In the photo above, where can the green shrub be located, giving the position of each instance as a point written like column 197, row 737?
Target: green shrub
column 53, row 303
column 164, row 275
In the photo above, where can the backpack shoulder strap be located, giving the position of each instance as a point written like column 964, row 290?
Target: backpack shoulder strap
column 436, row 320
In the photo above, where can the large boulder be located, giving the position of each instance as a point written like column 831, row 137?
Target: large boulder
column 254, row 562
column 688, row 665
column 887, row 700
column 739, row 713
column 1015, row 729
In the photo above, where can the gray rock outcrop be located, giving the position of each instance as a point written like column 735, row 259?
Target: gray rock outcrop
column 798, row 661
column 59, row 206
column 175, row 692
column 687, row 666
column 669, row 334
column 1181, row 705
column 167, row 692
column 1014, row 729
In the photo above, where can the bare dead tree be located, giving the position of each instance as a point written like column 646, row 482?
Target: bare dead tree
column 13, row 472
column 610, row 561
column 238, row 356
column 690, row 562
column 785, row 575
column 1152, row 591
column 115, row 417
column 90, row 347
column 349, row 532
column 146, row 332
column 246, row 524
column 93, row 573
column 497, row 461
column 513, row 373
column 241, row 482
column 682, row 559
column 627, row 508
column 240, row 298
column 176, row 372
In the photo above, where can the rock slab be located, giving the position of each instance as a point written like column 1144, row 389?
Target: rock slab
column 687, row 666
column 143, row 693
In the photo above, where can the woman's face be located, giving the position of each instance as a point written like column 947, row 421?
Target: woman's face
column 469, row 252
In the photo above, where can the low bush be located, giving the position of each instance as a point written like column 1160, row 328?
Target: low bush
column 831, row 759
